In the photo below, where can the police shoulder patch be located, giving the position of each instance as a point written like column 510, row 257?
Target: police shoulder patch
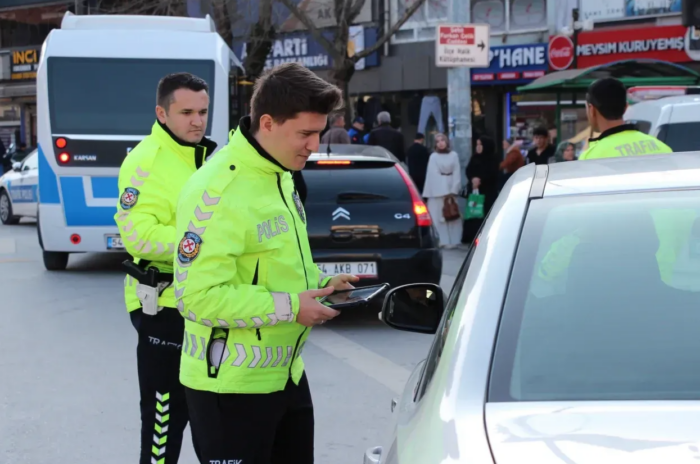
column 300, row 207
column 129, row 198
column 189, row 248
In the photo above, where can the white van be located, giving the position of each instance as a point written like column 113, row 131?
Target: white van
column 673, row 120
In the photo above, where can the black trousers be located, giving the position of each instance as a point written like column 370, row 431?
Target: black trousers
column 272, row 428
column 164, row 413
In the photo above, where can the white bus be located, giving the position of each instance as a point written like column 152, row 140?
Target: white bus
column 96, row 97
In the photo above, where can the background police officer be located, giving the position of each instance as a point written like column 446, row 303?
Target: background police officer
column 606, row 103
column 246, row 282
column 150, row 180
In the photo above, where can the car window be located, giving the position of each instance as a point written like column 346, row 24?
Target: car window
column 641, row 126
column 603, row 301
column 435, row 353
column 32, row 162
column 680, row 136
column 358, row 183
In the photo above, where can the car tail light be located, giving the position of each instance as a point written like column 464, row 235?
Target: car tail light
column 333, row 162
column 75, row 239
column 423, row 218
column 61, row 143
column 64, row 157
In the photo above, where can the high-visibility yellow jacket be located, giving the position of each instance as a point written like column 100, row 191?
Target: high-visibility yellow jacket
column 242, row 258
column 623, row 140
column 150, row 180
column 672, row 227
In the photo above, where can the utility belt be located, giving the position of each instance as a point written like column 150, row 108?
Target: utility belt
column 151, row 284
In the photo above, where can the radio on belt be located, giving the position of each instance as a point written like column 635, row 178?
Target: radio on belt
column 150, row 285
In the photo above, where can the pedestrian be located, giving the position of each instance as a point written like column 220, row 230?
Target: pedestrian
column 543, row 150
column 150, row 179
column 443, row 182
column 386, row 136
column 482, row 175
column 417, row 158
column 566, row 151
column 512, row 161
column 337, row 132
column 245, row 280
column 357, row 131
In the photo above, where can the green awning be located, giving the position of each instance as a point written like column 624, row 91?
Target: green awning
column 630, row 72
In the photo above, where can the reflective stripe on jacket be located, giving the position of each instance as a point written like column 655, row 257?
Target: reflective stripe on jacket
column 242, row 259
column 150, row 180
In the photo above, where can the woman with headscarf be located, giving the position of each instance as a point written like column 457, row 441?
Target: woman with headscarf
column 443, row 182
column 566, row 151
column 482, row 175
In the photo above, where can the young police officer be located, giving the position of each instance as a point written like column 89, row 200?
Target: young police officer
column 246, row 283
column 606, row 103
column 150, row 180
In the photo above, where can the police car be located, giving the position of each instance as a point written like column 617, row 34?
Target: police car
column 18, row 190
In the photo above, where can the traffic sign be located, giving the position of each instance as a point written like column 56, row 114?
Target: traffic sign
column 462, row 45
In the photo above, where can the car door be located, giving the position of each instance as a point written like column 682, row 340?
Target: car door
column 409, row 404
column 24, row 189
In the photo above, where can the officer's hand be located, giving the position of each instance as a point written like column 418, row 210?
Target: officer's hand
column 311, row 312
column 342, row 281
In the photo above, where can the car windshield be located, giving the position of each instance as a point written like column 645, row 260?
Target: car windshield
column 79, row 103
column 603, row 301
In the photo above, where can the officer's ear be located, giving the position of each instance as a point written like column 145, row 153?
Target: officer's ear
column 160, row 114
column 266, row 123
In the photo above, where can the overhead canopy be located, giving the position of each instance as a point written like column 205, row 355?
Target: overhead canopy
column 630, row 72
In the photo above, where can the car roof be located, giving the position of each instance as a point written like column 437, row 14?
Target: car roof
column 628, row 174
column 668, row 101
column 353, row 153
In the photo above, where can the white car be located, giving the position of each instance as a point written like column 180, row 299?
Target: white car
column 673, row 120
column 18, row 190
column 571, row 335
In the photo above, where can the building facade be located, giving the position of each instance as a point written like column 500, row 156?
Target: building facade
column 24, row 24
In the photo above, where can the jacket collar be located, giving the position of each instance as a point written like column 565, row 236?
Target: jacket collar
column 255, row 155
column 613, row 131
column 195, row 153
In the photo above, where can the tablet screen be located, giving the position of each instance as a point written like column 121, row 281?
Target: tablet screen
column 351, row 296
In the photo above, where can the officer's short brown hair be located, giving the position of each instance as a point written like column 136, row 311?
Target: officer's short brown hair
column 176, row 81
column 289, row 89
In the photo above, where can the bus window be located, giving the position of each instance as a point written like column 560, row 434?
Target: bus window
column 112, row 96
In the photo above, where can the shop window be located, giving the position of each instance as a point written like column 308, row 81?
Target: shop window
column 503, row 16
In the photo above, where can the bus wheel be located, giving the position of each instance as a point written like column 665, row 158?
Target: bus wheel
column 6, row 216
column 55, row 260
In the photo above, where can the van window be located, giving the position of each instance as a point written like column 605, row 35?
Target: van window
column 641, row 126
column 682, row 136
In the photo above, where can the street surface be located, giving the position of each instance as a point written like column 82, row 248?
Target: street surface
column 68, row 383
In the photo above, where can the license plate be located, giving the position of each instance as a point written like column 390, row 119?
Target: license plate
column 366, row 269
column 114, row 242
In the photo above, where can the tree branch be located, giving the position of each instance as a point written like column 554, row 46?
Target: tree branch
column 381, row 41
column 354, row 9
column 315, row 32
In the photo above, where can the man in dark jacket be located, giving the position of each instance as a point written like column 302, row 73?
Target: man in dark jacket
column 387, row 137
column 417, row 158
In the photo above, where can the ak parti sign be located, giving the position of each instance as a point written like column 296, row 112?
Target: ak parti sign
column 667, row 43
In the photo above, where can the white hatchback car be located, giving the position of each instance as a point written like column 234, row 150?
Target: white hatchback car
column 19, row 190
column 572, row 333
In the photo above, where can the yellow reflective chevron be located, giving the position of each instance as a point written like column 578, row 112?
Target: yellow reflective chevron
column 160, row 438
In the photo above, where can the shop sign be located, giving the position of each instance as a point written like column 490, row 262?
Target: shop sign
column 513, row 64
column 301, row 47
column 24, row 63
column 561, row 52
column 621, row 9
column 667, row 43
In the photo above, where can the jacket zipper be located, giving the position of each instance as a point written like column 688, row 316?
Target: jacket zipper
column 255, row 282
column 301, row 253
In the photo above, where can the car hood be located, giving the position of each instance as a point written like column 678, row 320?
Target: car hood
column 594, row 433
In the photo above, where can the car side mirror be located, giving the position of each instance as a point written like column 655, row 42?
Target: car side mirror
column 414, row 308
column 16, row 166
